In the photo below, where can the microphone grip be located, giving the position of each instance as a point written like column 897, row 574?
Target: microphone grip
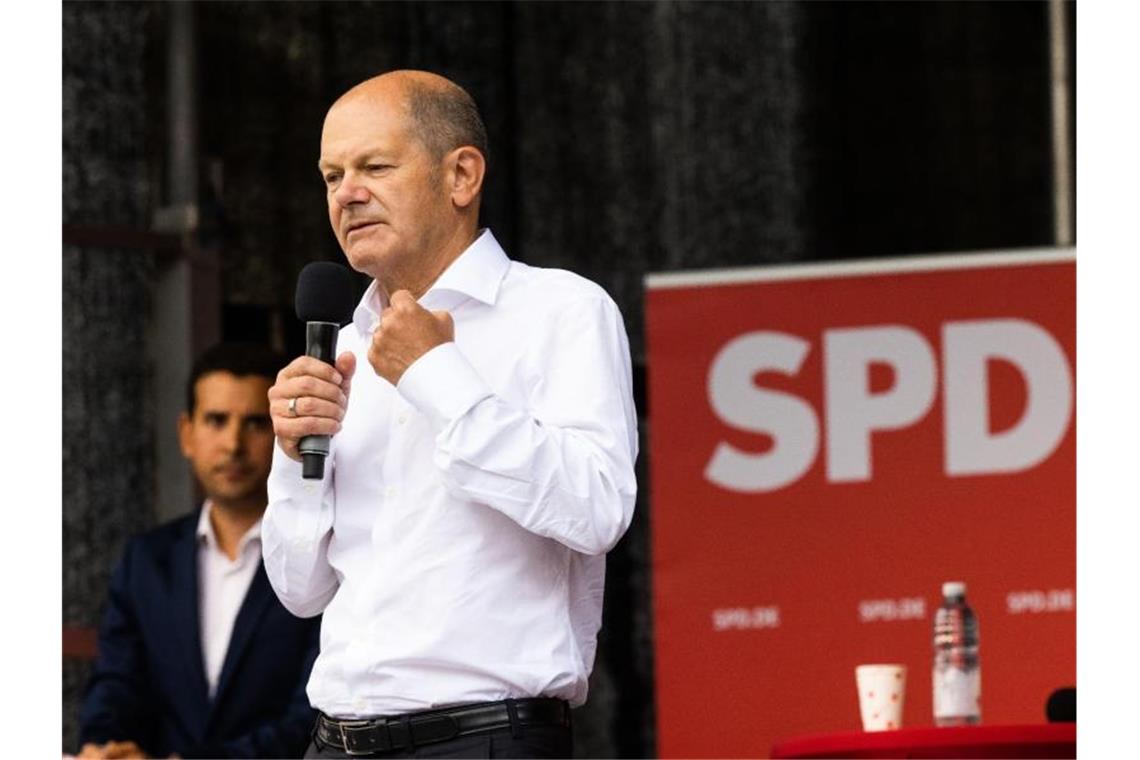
column 320, row 340
column 320, row 343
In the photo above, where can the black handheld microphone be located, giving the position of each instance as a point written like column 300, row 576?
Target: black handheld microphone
column 324, row 302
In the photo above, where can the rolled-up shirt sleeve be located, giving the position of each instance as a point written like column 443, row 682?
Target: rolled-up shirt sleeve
column 561, row 464
column 295, row 534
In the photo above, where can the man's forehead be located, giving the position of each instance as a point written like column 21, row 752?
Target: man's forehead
column 389, row 104
column 368, row 125
column 333, row 153
column 216, row 388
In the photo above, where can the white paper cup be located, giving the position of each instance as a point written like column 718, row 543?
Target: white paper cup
column 882, row 691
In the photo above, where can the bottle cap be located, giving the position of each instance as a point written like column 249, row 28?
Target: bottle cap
column 953, row 588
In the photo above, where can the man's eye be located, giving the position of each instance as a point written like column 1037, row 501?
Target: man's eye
column 331, row 178
column 376, row 167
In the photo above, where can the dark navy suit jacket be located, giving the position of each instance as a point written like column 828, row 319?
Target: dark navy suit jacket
column 149, row 682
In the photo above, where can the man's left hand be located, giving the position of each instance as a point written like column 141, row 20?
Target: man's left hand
column 407, row 331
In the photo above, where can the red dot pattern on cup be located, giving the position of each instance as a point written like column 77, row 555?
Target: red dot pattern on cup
column 870, row 695
column 890, row 724
column 894, row 697
column 898, row 676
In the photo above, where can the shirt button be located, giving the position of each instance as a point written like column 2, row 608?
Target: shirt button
column 358, row 704
column 402, row 419
column 309, row 487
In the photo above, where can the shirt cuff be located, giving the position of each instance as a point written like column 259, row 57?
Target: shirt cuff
column 295, row 505
column 286, row 484
column 286, row 471
column 442, row 385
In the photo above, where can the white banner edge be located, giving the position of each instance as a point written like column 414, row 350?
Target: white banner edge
column 858, row 267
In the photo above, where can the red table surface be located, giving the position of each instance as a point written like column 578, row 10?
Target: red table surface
column 1046, row 740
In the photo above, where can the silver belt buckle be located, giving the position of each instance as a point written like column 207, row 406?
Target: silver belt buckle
column 344, row 737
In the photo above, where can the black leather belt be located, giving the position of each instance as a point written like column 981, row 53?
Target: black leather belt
column 365, row 737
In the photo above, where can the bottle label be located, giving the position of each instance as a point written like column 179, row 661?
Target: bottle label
column 957, row 692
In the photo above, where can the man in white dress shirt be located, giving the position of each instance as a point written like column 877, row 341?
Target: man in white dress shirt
column 484, row 436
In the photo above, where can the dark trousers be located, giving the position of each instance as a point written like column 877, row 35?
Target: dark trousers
column 529, row 741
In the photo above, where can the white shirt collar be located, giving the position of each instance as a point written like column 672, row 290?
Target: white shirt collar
column 476, row 273
column 206, row 530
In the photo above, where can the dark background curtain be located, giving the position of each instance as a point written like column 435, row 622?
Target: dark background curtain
column 626, row 138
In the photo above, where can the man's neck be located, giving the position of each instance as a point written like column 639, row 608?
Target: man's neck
column 419, row 282
column 230, row 522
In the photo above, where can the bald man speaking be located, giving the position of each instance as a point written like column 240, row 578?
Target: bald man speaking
column 481, row 466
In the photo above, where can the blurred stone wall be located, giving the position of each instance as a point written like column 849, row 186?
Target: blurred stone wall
column 626, row 138
column 108, row 426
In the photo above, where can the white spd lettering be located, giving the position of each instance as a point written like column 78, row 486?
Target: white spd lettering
column 789, row 420
column 745, row 618
column 853, row 412
column 888, row 610
column 1030, row 602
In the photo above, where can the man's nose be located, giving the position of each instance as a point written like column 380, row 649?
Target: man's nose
column 350, row 191
column 233, row 438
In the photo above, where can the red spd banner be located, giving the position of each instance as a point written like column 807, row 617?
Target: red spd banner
column 830, row 443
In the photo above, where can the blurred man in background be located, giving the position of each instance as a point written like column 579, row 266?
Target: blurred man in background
column 197, row 658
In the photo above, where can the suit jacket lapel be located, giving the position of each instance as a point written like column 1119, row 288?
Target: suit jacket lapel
column 185, row 615
column 253, row 607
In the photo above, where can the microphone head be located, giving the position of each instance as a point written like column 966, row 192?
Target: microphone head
column 325, row 293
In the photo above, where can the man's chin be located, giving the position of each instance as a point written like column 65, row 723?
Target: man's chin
column 375, row 244
column 243, row 498
column 367, row 259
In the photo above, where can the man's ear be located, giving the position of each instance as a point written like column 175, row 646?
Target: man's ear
column 185, row 440
column 466, row 167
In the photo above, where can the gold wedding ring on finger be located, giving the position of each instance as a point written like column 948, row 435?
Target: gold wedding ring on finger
column 293, row 406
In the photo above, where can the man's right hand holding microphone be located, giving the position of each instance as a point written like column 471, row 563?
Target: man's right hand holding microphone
column 310, row 398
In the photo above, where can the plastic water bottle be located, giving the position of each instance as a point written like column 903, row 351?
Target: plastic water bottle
column 957, row 673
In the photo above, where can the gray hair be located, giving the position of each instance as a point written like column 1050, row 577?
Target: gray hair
column 445, row 118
